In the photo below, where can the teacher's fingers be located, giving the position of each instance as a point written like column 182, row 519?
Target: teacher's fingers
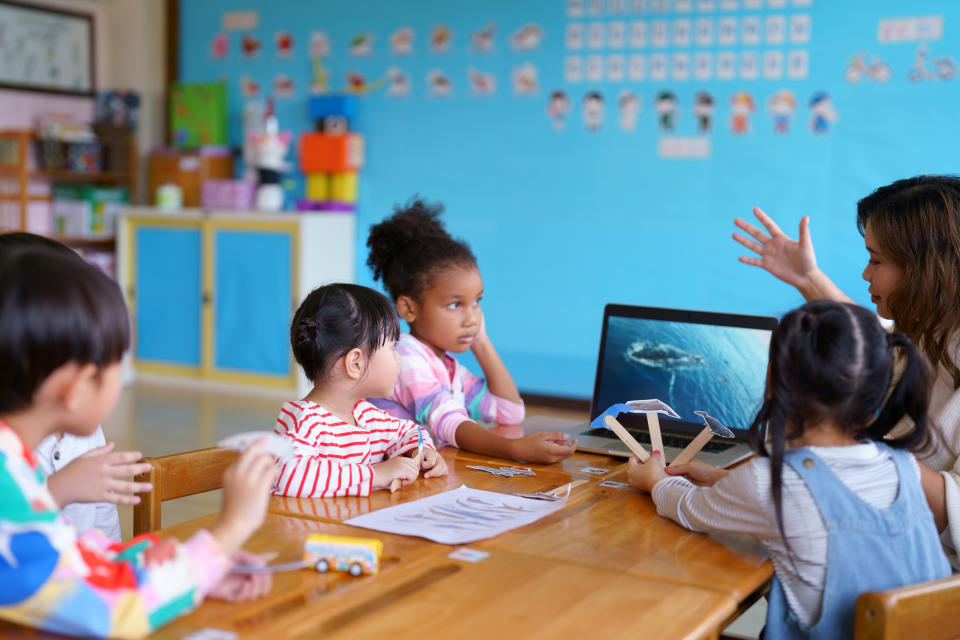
column 752, row 230
column 767, row 222
column 756, row 262
column 748, row 243
column 804, row 236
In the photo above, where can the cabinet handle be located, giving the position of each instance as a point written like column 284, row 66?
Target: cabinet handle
column 206, row 297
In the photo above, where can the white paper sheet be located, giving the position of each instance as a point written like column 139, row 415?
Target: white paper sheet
column 459, row 516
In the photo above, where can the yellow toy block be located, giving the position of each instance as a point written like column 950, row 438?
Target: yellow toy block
column 318, row 187
column 343, row 186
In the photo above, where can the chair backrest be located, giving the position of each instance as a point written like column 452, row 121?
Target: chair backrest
column 176, row 476
column 925, row 611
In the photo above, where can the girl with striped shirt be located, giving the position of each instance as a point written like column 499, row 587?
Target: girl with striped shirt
column 344, row 337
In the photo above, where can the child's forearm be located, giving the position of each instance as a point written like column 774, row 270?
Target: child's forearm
column 935, row 490
column 499, row 381
column 470, row 436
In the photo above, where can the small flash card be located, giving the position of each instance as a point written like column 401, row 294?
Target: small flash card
column 594, row 470
column 613, row 484
column 468, row 555
column 276, row 445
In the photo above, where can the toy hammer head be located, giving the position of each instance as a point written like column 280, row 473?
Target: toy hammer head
column 716, row 427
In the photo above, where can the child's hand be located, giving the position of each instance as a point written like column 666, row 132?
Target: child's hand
column 241, row 587
column 643, row 475
column 433, row 463
column 97, row 476
column 246, row 491
column 402, row 467
column 697, row 472
column 545, row 447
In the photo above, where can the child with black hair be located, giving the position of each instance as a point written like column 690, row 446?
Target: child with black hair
column 834, row 498
column 63, row 331
column 344, row 336
column 436, row 285
column 84, row 474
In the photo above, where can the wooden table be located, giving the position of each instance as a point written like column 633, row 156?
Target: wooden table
column 605, row 566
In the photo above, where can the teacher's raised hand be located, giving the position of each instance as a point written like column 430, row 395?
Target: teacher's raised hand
column 792, row 261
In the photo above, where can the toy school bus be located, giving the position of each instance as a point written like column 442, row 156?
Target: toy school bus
column 355, row 555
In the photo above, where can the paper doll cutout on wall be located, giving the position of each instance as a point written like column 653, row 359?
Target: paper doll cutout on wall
column 527, row 38
column 358, row 83
column 781, row 106
column 248, row 88
column 321, row 82
column 742, row 106
column 401, row 41
column 666, row 106
column 220, row 46
column 629, row 105
column 284, row 42
column 525, row 80
column 876, row 70
column 703, row 105
column 250, row 46
column 439, row 83
column 441, row 38
column 481, row 84
column 361, row 44
column 557, row 109
column 823, row 112
column 283, row 86
column 398, row 83
column 593, row 111
column 482, row 40
column 942, row 68
column 319, row 44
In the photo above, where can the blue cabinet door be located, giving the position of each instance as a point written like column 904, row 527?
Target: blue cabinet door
column 253, row 284
column 168, row 294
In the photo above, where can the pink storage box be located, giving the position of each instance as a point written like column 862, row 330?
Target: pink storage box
column 227, row 194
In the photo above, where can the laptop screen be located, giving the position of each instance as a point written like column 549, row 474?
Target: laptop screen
column 691, row 360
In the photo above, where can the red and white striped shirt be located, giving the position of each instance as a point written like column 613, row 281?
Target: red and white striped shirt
column 335, row 458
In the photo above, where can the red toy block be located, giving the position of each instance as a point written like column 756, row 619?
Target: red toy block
column 319, row 152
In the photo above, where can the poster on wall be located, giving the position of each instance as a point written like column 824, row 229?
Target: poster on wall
column 45, row 49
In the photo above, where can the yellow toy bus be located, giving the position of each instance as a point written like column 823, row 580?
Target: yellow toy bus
column 354, row 555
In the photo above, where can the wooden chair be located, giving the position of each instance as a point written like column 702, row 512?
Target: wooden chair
column 925, row 611
column 176, row 476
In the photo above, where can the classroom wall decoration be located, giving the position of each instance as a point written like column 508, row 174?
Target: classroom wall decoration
column 596, row 151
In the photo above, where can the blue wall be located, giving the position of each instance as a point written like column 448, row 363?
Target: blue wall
column 565, row 221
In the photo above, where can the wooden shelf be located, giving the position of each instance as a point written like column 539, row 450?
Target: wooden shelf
column 63, row 175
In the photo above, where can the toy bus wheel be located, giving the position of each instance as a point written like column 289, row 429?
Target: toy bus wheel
column 356, row 569
column 323, row 566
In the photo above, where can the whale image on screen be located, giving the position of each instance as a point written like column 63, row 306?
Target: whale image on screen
column 691, row 367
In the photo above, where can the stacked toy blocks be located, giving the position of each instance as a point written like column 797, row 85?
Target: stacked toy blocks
column 331, row 156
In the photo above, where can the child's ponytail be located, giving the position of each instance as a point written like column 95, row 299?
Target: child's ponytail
column 907, row 399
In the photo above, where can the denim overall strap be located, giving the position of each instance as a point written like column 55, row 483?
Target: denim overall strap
column 868, row 549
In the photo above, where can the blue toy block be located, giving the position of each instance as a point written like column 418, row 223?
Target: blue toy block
column 322, row 106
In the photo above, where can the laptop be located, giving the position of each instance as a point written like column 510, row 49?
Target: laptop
column 693, row 361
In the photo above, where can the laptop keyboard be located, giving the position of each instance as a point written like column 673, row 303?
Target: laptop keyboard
column 677, row 442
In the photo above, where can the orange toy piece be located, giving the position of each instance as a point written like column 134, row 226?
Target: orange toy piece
column 320, row 152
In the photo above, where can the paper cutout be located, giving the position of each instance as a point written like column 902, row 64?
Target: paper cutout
column 401, row 41
column 638, row 34
column 659, row 33
column 940, row 68
column 702, row 65
column 527, row 38
column 239, row 20
column 630, row 106
column 798, row 64
column 750, row 30
column 358, row 83
column 823, row 111
column 716, row 427
column 268, row 568
column 617, row 35
column 637, row 67
column 653, row 405
column 276, row 445
column 665, row 105
column 482, row 40
column 726, row 65
column 615, row 67
column 284, row 42
column 439, row 83
column 573, row 36
column 320, row 83
column 681, row 66
column 283, row 86
column 613, row 484
column 595, row 35
column 776, row 29
column 694, row 147
column 681, row 33
column 658, row 66
column 781, row 106
column 507, row 472
column 468, row 555
column 594, row 68
column 597, row 471
column 704, row 32
column 558, row 108
column 713, row 428
column 910, row 29
column 457, row 517
column 248, row 88
column 703, row 105
column 441, row 39
column 859, row 69
column 593, row 111
column 800, row 28
column 220, row 46
column 250, row 46
column 749, row 65
column 361, row 44
column 742, row 106
column 481, row 84
column 525, row 80
column 573, row 69
column 574, row 8
column 773, row 65
column 398, row 83
column 727, row 31
column 319, row 44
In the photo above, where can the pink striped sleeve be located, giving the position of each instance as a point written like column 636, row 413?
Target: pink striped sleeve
column 320, row 477
column 484, row 405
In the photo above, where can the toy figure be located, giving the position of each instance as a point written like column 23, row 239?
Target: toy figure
column 703, row 110
column 558, row 108
column 666, row 105
column 823, row 112
column 593, row 111
column 781, row 106
column 743, row 106
column 629, row 109
column 269, row 150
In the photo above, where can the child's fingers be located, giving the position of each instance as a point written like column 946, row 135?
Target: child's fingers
column 555, row 436
column 128, row 470
column 123, row 457
column 99, row 451
column 124, row 487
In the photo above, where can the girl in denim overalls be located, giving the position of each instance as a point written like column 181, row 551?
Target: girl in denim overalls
column 835, row 500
